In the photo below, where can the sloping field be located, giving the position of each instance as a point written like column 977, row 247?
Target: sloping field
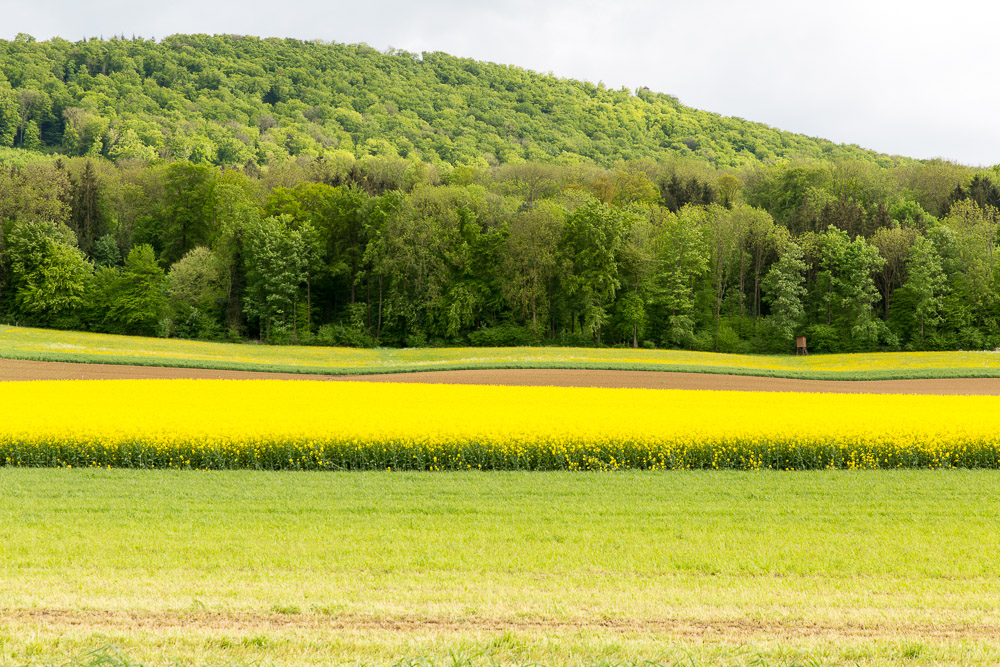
column 45, row 345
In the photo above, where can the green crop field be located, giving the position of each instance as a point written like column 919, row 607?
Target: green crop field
column 685, row 568
column 50, row 345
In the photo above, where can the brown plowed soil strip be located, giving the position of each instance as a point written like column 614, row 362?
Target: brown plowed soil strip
column 670, row 380
column 50, row 370
column 730, row 629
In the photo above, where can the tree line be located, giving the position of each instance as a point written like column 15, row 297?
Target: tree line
column 243, row 101
column 380, row 250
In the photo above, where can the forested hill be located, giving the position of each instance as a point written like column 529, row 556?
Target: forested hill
column 228, row 187
column 245, row 101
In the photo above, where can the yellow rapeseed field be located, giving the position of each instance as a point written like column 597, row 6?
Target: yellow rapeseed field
column 310, row 425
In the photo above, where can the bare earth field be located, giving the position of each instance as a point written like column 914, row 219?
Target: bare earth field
column 49, row 370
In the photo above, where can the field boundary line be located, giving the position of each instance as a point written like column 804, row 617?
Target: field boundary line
column 849, row 376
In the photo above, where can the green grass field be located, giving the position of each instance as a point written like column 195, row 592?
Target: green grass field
column 252, row 568
column 48, row 345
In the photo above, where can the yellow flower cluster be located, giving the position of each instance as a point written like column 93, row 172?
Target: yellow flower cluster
column 345, row 425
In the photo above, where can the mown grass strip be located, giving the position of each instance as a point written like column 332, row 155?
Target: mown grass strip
column 877, row 374
column 46, row 345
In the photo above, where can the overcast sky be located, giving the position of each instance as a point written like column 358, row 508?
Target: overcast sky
column 909, row 77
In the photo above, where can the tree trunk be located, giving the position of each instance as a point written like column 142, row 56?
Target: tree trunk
column 742, row 282
column 756, row 292
column 552, row 316
column 534, row 304
column 718, row 305
column 378, row 328
column 829, row 301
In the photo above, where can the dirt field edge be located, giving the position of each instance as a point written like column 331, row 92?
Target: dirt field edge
column 22, row 370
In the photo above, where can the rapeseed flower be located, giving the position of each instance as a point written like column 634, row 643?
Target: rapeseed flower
column 270, row 424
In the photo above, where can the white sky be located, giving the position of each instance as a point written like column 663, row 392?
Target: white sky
column 913, row 77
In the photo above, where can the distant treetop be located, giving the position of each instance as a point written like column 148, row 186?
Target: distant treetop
column 249, row 102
